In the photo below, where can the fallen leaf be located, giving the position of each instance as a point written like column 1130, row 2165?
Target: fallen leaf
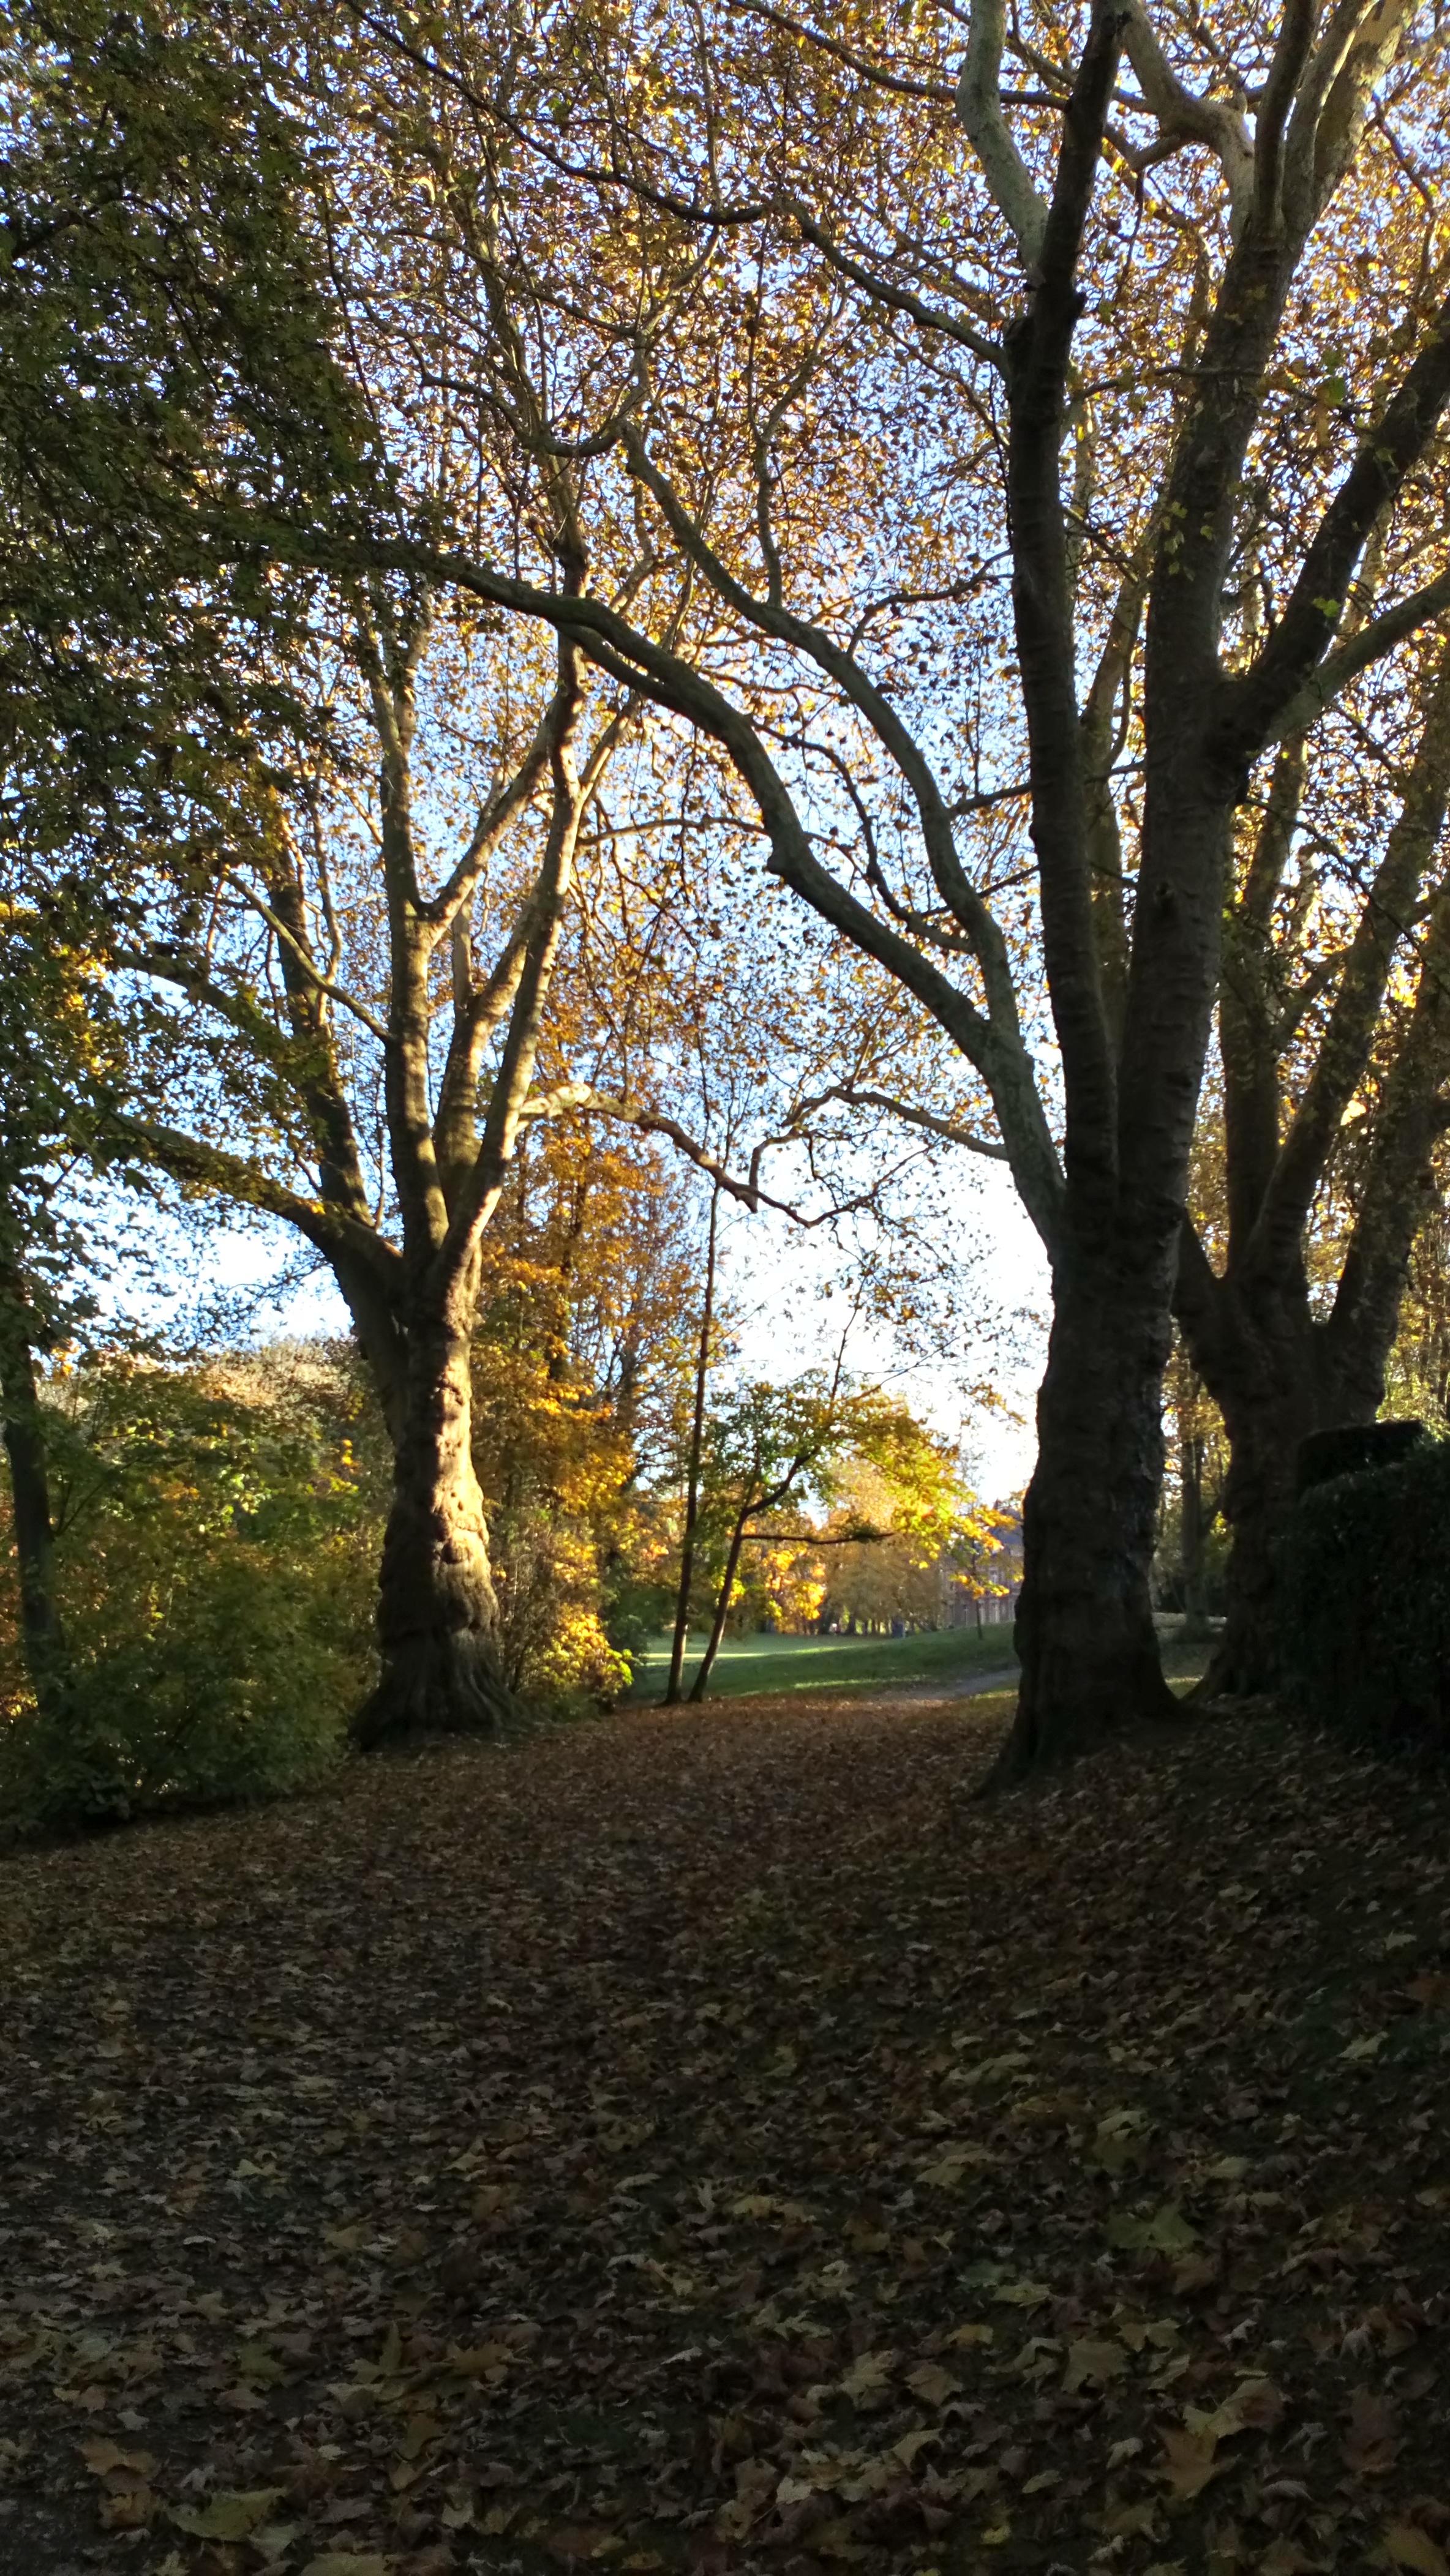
column 229, row 2516
column 932, row 2384
column 577, row 2542
column 349, row 2562
column 1371, row 2446
column 1095, row 2362
column 868, row 2378
column 908, row 2450
column 1166, row 2232
column 948, row 2169
column 102, row 2458
column 1188, row 2462
column 1022, row 2294
column 1408, row 2546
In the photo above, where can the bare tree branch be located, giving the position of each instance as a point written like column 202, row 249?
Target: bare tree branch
column 979, row 113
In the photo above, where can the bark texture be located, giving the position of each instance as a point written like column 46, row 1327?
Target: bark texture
column 437, row 1610
column 680, row 1639
column 1084, row 1630
column 40, row 1625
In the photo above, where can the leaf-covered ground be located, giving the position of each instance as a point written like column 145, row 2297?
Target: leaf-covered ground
column 710, row 2142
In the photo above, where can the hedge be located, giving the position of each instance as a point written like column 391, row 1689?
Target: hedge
column 1364, row 1590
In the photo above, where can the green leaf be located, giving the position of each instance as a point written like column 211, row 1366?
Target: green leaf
column 1166, row 2232
column 230, row 2516
column 348, row 2562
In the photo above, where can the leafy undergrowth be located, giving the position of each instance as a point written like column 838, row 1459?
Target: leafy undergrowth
column 709, row 2142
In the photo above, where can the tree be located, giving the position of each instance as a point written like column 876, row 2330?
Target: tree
column 42, row 1050
column 827, row 386
column 931, row 1543
column 770, row 1449
column 1418, row 1385
column 1196, row 567
column 317, row 908
column 1334, row 1033
column 578, row 1353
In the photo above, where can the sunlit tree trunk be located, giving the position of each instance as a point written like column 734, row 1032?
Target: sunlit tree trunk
column 437, row 1610
column 723, row 1598
column 692, row 1480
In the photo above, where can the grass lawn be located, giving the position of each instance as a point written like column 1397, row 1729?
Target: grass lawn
column 780, row 1664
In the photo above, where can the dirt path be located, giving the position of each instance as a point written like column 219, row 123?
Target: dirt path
column 706, row 2141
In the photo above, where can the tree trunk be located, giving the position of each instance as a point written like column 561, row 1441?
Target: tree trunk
column 1084, row 1631
column 1258, row 1497
column 1276, row 1372
column 701, row 1682
column 1190, row 1538
column 437, row 1611
column 40, row 1625
column 697, row 1442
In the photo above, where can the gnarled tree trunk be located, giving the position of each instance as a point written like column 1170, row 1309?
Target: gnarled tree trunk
column 437, row 1611
column 1267, row 1378
column 1084, row 1631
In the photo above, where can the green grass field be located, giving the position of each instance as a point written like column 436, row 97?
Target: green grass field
column 831, row 1663
column 774, row 1664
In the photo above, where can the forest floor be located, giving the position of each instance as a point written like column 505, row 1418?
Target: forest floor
column 709, row 2142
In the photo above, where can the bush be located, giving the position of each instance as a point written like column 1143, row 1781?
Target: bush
column 216, row 1572
column 1365, row 1589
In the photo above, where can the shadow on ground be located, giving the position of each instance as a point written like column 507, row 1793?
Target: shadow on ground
column 707, row 2141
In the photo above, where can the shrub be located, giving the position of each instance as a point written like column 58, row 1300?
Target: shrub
column 215, row 1569
column 1365, row 1589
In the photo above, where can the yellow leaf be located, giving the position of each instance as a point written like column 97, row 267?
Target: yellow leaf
column 932, row 2384
column 867, row 2377
column 419, row 2430
column 1188, row 2462
column 1408, row 2546
column 835, row 2539
column 102, row 2458
column 272, row 2540
column 128, row 2508
column 479, row 2361
column 911, row 2443
column 947, row 2171
column 1098, row 2362
column 1166, row 2232
column 228, row 2516
column 1255, row 2407
column 348, row 2562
